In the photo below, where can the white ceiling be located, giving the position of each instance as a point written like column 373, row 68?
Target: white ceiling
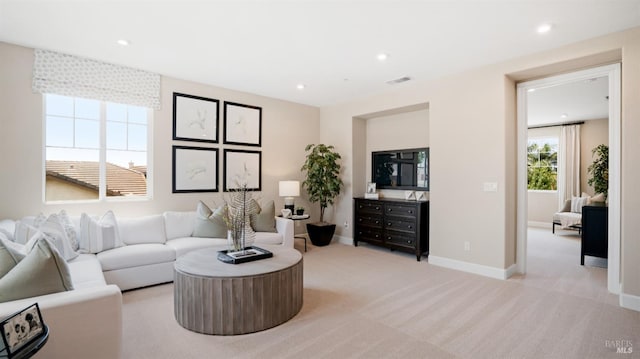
column 577, row 101
column 268, row 47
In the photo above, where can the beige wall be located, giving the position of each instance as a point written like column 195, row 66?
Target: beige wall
column 57, row 190
column 592, row 134
column 472, row 141
column 286, row 129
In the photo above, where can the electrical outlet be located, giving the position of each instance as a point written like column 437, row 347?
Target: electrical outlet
column 346, row 224
column 467, row 246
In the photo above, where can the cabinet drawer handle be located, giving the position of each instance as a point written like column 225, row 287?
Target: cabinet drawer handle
column 389, row 224
column 377, row 236
column 377, row 208
column 389, row 210
column 409, row 242
column 377, row 222
column 410, row 227
column 388, row 238
column 411, row 211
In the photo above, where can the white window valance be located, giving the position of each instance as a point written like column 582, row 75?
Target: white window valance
column 70, row 75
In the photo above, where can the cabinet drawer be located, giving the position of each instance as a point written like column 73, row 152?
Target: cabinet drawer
column 368, row 234
column 369, row 221
column 400, row 224
column 400, row 210
column 369, row 207
column 400, row 240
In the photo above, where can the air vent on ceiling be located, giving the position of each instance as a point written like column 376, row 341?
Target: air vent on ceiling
column 398, row 80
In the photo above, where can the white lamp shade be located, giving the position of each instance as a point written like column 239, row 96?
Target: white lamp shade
column 289, row 188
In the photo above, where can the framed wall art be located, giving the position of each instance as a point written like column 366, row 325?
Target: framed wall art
column 195, row 169
column 242, row 167
column 242, row 124
column 195, row 118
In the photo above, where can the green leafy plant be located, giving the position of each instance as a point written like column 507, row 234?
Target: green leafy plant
column 599, row 170
column 323, row 181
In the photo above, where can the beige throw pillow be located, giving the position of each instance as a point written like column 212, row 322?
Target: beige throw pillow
column 265, row 221
column 99, row 235
column 209, row 224
column 42, row 271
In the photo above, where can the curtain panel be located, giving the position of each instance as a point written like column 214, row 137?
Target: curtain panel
column 70, row 75
column 569, row 164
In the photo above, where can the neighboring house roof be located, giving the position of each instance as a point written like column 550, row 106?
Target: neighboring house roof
column 120, row 181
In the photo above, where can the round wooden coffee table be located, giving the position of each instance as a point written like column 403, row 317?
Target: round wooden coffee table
column 213, row 297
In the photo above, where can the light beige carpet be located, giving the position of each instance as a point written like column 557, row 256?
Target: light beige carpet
column 367, row 302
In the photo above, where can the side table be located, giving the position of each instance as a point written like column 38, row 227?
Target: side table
column 301, row 217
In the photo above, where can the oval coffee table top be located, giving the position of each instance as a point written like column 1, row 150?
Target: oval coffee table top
column 205, row 263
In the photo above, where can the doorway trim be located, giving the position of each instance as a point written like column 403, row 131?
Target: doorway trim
column 613, row 74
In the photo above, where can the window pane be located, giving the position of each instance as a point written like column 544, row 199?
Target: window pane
column 87, row 134
column 116, row 112
column 126, row 173
column 137, row 137
column 59, row 131
column 59, row 105
column 116, row 136
column 137, row 115
column 72, row 174
column 89, row 109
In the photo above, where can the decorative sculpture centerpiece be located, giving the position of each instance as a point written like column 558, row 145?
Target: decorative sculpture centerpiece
column 240, row 236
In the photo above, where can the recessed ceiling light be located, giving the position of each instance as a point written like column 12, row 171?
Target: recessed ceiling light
column 382, row 56
column 531, row 90
column 300, row 86
column 123, row 42
column 544, row 28
column 564, row 115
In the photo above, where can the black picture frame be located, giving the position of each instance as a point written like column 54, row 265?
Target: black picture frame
column 242, row 166
column 21, row 329
column 242, row 124
column 194, row 169
column 195, row 118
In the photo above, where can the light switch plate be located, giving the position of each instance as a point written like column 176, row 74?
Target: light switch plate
column 491, row 187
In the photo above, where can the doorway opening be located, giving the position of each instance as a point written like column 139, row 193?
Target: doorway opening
column 610, row 74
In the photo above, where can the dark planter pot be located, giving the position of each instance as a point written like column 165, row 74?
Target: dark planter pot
column 320, row 234
column 299, row 212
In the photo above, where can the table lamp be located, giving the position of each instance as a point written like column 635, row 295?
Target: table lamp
column 288, row 190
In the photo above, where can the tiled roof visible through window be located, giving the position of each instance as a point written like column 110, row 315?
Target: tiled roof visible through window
column 120, row 181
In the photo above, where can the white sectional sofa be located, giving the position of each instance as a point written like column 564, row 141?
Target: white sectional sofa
column 86, row 322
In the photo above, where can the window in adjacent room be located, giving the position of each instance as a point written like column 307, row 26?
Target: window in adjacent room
column 95, row 149
column 542, row 164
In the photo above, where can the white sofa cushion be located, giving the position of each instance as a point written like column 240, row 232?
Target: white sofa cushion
column 86, row 272
column 268, row 238
column 142, row 230
column 136, row 256
column 179, row 224
column 187, row 244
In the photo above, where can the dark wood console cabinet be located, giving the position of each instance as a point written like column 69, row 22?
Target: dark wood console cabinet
column 391, row 223
column 595, row 232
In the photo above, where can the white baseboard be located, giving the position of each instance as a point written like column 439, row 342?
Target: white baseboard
column 630, row 301
column 344, row 240
column 539, row 224
column 479, row 269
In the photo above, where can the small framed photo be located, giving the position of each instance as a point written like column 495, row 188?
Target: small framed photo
column 242, row 167
column 371, row 187
column 195, row 169
column 195, row 118
column 242, row 124
column 21, row 329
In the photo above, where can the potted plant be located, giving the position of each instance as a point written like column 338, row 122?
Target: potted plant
column 299, row 211
column 599, row 170
column 323, row 184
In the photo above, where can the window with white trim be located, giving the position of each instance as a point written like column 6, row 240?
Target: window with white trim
column 542, row 163
column 95, row 149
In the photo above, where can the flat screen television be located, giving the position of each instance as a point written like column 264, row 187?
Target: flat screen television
column 401, row 169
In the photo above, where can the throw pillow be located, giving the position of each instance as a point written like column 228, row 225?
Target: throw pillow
column 209, row 224
column 99, row 235
column 577, row 203
column 598, row 198
column 42, row 271
column 54, row 230
column 70, row 229
column 10, row 255
column 27, row 227
column 265, row 221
